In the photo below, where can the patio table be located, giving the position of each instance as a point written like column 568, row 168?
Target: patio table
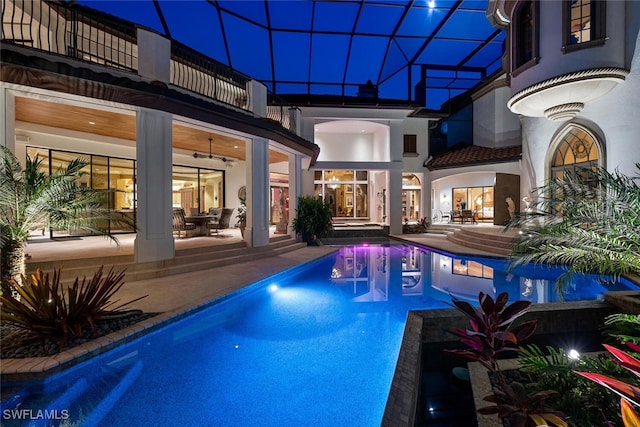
column 202, row 223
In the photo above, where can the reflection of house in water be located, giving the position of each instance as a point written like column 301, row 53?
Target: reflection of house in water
column 472, row 268
column 461, row 278
column 535, row 290
column 352, row 268
column 412, row 283
column 402, row 273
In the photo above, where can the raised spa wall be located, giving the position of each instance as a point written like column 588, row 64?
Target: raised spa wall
column 428, row 331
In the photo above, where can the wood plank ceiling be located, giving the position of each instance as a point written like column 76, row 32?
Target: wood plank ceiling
column 123, row 126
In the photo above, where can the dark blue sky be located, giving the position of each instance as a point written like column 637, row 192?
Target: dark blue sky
column 320, row 47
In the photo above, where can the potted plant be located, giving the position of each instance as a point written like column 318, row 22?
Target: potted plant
column 242, row 215
column 313, row 219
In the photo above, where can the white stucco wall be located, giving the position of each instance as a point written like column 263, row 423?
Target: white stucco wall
column 553, row 61
column 443, row 181
column 494, row 125
column 345, row 146
column 616, row 117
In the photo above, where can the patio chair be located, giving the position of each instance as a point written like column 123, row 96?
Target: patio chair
column 217, row 213
column 223, row 222
column 180, row 224
column 467, row 215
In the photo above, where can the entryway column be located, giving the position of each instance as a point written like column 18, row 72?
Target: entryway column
column 295, row 188
column 257, row 231
column 395, row 201
column 154, row 241
column 8, row 119
column 394, row 191
column 427, row 192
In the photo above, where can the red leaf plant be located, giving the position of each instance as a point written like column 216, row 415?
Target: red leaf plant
column 492, row 334
column 630, row 394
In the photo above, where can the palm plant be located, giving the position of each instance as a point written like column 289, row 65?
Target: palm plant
column 29, row 196
column 313, row 219
column 588, row 221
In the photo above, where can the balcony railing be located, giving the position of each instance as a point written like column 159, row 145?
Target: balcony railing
column 74, row 32
column 200, row 74
column 87, row 35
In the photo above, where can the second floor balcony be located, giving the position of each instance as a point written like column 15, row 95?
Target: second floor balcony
column 74, row 34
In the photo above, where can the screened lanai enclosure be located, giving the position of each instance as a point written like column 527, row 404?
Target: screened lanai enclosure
column 420, row 52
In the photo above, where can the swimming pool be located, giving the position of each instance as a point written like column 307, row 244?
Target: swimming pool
column 316, row 345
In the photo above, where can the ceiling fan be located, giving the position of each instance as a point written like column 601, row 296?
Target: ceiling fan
column 197, row 155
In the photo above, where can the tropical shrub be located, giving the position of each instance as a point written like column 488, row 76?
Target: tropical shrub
column 44, row 308
column 628, row 391
column 583, row 402
column 588, row 221
column 29, row 196
column 623, row 327
column 492, row 335
column 313, row 219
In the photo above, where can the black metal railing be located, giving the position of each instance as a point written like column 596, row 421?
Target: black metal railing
column 198, row 73
column 282, row 112
column 72, row 31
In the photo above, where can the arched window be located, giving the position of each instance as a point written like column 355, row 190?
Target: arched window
column 577, row 149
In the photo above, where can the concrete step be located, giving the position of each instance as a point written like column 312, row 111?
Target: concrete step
column 185, row 260
column 501, row 241
column 354, row 240
column 353, row 232
column 490, row 242
column 443, row 229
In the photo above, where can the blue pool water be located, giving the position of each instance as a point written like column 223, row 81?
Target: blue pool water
column 315, row 346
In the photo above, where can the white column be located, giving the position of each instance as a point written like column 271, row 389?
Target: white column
column 257, row 231
column 8, row 119
column 394, row 195
column 426, row 197
column 257, row 98
column 154, row 241
column 295, row 188
column 154, row 56
column 394, row 189
column 295, row 118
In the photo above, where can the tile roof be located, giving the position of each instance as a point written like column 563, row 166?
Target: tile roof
column 474, row 155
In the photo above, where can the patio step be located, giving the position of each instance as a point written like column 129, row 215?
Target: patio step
column 442, row 229
column 499, row 244
column 185, row 260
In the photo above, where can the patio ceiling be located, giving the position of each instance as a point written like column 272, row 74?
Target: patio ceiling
column 123, row 126
column 319, row 47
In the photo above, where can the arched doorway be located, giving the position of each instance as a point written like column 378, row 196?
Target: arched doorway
column 411, row 207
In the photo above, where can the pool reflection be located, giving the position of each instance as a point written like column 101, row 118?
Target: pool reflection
column 378, row 273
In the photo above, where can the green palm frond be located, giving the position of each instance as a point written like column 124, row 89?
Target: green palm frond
column 535, row 361
column 29, row 196
column 589, row 222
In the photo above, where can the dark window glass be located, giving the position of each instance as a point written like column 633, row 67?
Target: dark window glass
column 584, row 22
column 525, row 33
column 410, row 144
